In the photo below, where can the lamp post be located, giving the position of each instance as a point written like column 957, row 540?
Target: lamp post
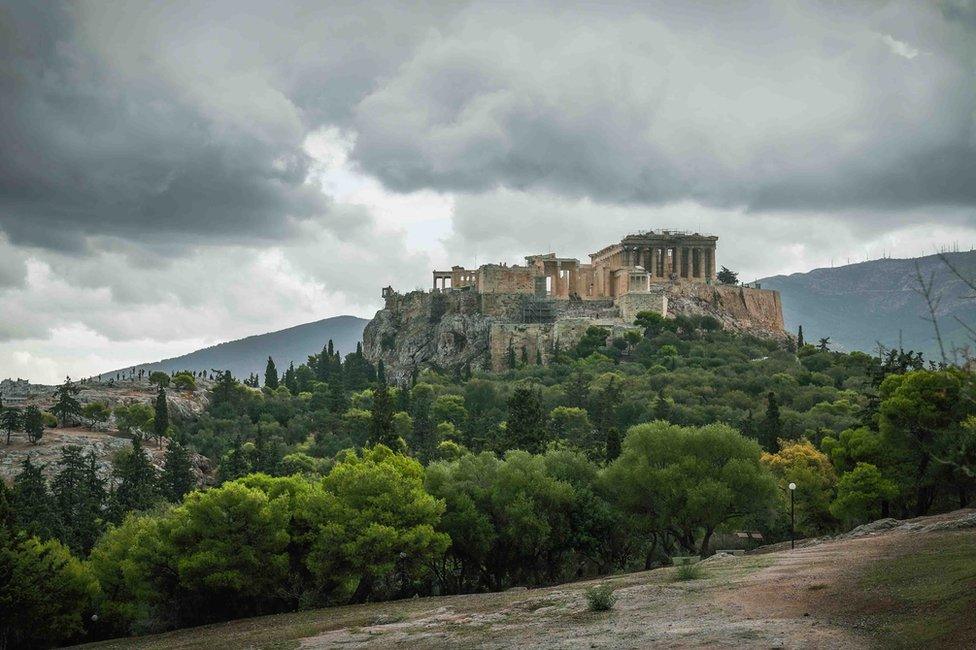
column 792, row 535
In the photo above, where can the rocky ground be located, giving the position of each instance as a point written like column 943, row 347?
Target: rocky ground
column 104, row 441
column 907, row 585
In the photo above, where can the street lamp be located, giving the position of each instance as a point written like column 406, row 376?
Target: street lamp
column 792, row 535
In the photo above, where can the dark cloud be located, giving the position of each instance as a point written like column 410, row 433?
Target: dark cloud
column 770, row 106
column 160, row 124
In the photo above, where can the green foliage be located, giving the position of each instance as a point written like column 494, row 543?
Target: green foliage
column 66, row 406
column 33, row 505
column 600, row 598
column 44, row 592
column 33, row 424
column 271, row 375
column 159, row 378
column 727, row 276
column 96, row 414
column 133, row 418
column 526, row 423
column 177, row 478
column 11, row 421
column 593, row 339
column 136, row 483
column 160, row 422
column 860, row 493
column 686, row 481
column 184, row 381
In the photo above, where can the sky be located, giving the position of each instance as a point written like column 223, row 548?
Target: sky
column 178, row 174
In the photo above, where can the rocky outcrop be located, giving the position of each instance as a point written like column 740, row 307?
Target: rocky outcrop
column 462, row 330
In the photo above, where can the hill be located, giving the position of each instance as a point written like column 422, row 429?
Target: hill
column 859, row 305
column 250, row 354
column 887, row 584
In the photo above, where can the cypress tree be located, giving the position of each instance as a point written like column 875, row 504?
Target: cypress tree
column 538, row 357
column 381, row 421
column 177, row 478
column 11, row 421
column 511, row 355
column 771, row 425
column 578, row 390
column 526, row 424
column 799, row 338
column 235, row 463
column 662, row 410
column 291, row 381
column 380, row 372
column 271, row 375
column 613, row 444
column 161, row 417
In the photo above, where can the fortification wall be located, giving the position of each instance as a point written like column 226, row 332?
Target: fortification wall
column 739, row 309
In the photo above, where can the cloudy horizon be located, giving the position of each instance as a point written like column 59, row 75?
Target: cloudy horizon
column 176, row 175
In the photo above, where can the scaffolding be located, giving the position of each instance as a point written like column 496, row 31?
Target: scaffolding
column 537, row 310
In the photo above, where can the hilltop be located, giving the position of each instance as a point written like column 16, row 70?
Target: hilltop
column 907, row 583
column 858, row 305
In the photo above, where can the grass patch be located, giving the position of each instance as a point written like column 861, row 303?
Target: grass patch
column 600, row 598
column 689, row 572
column 929, row 594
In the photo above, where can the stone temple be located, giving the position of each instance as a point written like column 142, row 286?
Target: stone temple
column 471, row 318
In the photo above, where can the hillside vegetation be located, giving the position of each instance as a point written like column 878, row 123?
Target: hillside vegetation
column 335, row 488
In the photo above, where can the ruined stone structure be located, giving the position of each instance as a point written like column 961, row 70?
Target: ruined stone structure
column 472, row 317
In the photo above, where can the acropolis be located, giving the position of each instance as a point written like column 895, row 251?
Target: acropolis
column 472, row 318
column 638, row 263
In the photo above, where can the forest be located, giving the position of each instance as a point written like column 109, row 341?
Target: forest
column 333, row 487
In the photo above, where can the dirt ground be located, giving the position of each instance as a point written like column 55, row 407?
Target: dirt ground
column 817, row 596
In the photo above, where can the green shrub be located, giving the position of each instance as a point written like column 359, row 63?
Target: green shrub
column 600, row 598
column 689, row 572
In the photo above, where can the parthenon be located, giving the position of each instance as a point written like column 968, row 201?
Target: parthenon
column 639, row 263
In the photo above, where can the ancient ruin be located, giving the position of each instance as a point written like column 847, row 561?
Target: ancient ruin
column 472, row 318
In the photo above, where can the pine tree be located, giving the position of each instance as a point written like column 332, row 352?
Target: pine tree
column 271, row 375
column 93, row 506
column 33, row 506
column 235, row 463
column 161, row 417
column 33, row 424
column 11, row 421
column 66, row 492
column 799, row 338
column 177, row 478
column 381, row 421
column 613, row 444
column 136, row 483
column 66, row 407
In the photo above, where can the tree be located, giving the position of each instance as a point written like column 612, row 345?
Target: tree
column 96, row 413
column 66, row 406
column 801, row 463
column 33, row 424
column 593, row 338
column 34, row 508
column 573, row 425
column 381, row 418
column 510, row 355
column 177, row 478
column 11, row 421
column 662, row 408
column 160, row 417
column 651, row 322
column 235, row 462
column 578, row 390
column 135, row 479
column 159, row 378
column 686, row 481
column 270, row 375
column 824, row 344
column 728, row 276
column 133, row 418
column 375, row 524
column 771, row 427
column 44, row 593
column 861, row 493
column 613, row 444
column 799, row 338
column 184, row 381
column 526, row 425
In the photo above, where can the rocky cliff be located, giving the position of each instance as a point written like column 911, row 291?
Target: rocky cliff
column 462, row 330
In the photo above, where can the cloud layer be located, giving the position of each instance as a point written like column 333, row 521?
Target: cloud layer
column 176, row 175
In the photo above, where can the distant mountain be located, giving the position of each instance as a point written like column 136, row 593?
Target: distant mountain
column 861, row 304
column 250, row 354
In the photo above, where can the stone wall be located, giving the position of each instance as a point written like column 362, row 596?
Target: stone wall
column 631, row 304
column 739, row 309
column 493, row 278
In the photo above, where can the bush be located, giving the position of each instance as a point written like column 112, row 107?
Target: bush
column 600, row 598
column 689, row 572
column 184, row 381
column 159, row 378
